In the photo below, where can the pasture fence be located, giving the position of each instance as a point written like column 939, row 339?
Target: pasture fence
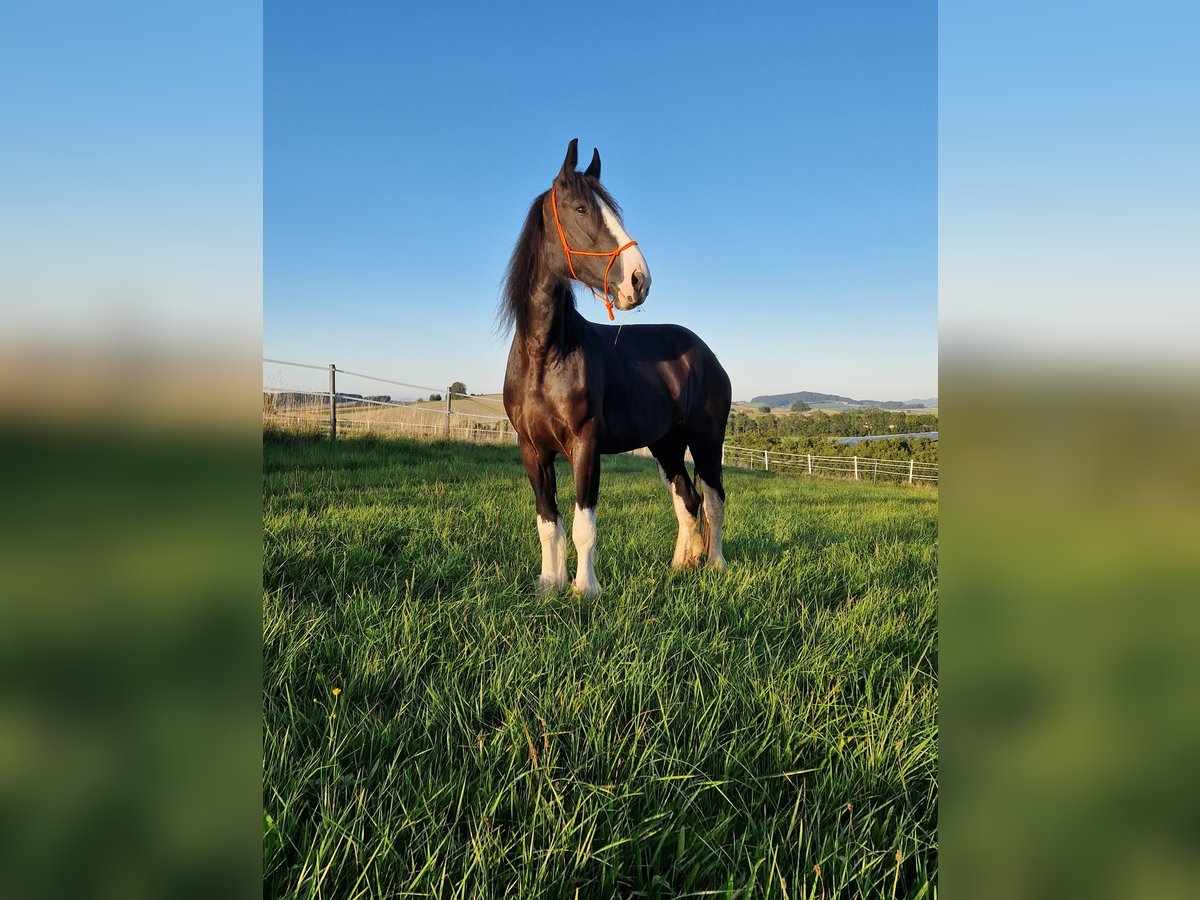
column 335, row 412
column 856, row 468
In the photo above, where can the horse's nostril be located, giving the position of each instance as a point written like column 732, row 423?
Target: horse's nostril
column 638, row 280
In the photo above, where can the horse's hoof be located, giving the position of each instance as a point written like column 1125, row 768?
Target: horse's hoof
column 547, row 586
column 688, row 560
column 589, row 589
column 717, row 564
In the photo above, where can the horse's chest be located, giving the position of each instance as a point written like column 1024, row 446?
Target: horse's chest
column 550, row 413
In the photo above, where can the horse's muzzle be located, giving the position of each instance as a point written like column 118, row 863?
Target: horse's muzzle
column 641, row 285
column 640, row 282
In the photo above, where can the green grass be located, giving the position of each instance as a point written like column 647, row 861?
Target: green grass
column 769, row 731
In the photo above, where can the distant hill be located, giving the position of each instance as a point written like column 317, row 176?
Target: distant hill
column 814, row 398
column 806, row 396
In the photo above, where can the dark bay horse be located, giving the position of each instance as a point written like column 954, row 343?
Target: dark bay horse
column 576, row 388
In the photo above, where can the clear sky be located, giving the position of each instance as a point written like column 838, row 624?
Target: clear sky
column 776, row 162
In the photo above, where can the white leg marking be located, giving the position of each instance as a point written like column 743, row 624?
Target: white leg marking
column 629, row 261
column 688, row 545
column 714, row 520
column 554, row 554
column 584, row 533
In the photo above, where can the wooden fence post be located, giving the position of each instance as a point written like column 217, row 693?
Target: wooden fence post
column 810, row 464
column 766, row 462
column 449, row 401
column 911, row 462
column 722, row 454
column 332, row 402
column 856, row 468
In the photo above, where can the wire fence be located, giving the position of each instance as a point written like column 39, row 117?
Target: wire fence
column 857, row 468
column 336, row 412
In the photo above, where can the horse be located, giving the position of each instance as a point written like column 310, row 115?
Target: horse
column 583, row 389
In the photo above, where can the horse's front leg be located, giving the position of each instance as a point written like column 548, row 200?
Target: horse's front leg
column 539, row 466
column 586, row 463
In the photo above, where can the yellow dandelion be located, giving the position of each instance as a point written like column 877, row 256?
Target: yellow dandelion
column 337, row 691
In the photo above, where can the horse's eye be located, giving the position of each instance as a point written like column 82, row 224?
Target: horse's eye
column 581, row 209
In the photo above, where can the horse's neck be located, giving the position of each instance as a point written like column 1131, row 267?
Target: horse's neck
column 551, row 324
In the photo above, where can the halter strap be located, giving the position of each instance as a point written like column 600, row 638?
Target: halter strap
column 612, row 256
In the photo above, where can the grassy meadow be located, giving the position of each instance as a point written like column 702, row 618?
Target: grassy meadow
column 432, row 728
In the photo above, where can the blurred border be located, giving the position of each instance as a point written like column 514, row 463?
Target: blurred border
column 1070, row 401
column 130, row 267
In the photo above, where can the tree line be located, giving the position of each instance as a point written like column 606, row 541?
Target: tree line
column 841, row 424
column 812, row 433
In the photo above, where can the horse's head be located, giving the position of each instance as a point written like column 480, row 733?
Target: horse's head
column 592, row 244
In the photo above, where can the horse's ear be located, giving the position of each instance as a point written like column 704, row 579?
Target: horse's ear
column 593, row 168
column 568, row 166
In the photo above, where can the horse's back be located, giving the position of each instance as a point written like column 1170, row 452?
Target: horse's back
column 640, row 344
column 658, row 378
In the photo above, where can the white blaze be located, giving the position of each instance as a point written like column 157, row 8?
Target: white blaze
column 630, row 261
column 583, row 531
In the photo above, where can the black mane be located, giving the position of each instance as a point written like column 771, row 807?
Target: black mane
column 524, row 269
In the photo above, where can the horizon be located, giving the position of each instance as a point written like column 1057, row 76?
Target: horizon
column 365, row 385
column 307, row 380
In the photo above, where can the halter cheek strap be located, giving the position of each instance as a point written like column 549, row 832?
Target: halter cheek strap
column 612, row 256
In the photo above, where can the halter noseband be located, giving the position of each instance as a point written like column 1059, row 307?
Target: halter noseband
column 612, row 256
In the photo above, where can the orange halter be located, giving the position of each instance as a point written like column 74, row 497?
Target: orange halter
column 612, row 256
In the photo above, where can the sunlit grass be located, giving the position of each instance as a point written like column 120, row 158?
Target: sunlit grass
column 771, row 728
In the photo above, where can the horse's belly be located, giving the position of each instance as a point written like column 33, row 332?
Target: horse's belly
column 630, row 423
column 624, row 441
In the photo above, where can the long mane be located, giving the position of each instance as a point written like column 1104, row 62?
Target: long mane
column 524, row 268
column 526, row 264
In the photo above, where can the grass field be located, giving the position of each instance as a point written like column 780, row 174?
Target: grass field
column 433, row 728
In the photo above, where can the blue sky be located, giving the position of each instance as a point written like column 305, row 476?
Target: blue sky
column 777, row 164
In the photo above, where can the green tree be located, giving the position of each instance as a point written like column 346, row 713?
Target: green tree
column 764, row 409
column 800, row 406
column 458, row 388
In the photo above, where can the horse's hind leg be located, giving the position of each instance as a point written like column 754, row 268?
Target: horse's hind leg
column 707, row 455
column 539, row 466
column 689, row 546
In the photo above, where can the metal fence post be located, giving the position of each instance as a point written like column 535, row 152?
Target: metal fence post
column 332, row 402
column 449, row 400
